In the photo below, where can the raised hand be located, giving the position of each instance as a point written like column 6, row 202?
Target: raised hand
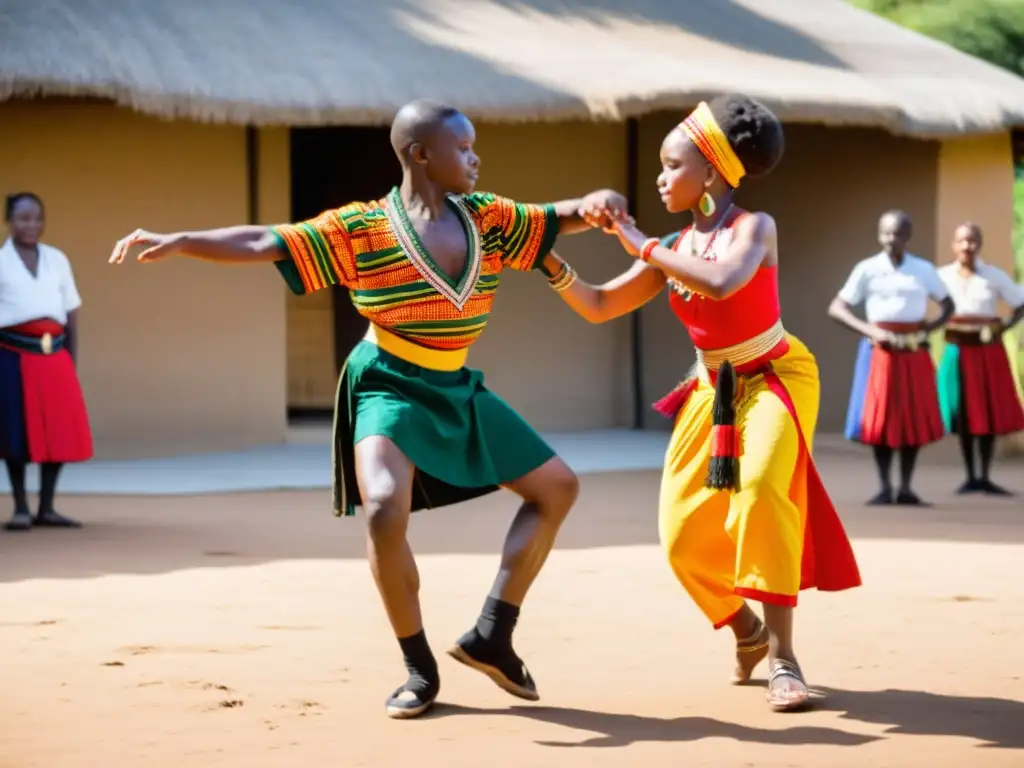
column 600, row 208
column 883, row 337
column 625, row 229
column 155, row 246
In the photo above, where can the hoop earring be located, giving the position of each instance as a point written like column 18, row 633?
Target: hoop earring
column 707, row 205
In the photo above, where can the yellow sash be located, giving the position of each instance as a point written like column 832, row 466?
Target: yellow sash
column 424, row 357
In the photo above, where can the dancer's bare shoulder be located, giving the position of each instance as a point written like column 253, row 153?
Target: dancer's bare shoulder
column 758, row 230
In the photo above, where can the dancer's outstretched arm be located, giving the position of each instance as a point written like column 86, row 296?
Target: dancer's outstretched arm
column 249, row 244
column 245, row 244
column 753, row 241
column 601, row 303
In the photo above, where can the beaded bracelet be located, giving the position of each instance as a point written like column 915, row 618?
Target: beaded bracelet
column 647, row 249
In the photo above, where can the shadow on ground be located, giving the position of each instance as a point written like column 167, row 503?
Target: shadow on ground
column 996, row 723
column 617, row 730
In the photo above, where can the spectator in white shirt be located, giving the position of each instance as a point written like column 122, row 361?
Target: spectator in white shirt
column 42, row 413
column 894, row 403
column 977, row 391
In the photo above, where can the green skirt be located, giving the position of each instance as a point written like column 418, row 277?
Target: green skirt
column 464, row 440
column 948, row 382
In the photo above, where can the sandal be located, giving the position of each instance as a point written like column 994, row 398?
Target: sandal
column 789, row 698
column 750, row 652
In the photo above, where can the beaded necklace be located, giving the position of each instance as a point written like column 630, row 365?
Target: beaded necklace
column 677, row 286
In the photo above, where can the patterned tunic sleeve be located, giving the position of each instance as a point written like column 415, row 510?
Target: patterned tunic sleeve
column 523, row 233
column 319, row 253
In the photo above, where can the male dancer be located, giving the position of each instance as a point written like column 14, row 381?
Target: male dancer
column 414, row 427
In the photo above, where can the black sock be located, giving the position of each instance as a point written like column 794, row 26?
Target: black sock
column 967, row 451
column 490, row 641
column 986, row 447
column 497, row 621
column 48, row 474
column 16, row 474
column 883, row 463
column 423, row 680
column 908, row 460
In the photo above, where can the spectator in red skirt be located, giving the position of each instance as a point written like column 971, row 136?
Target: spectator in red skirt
column 43, row 418
column 977, row 392
column 894, row 403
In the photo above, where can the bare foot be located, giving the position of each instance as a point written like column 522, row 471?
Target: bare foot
column 787, row 691
column 750, row 652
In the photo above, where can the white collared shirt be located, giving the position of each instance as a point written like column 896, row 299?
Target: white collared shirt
column 893, row 294
column 978, row 294
column 50, row 293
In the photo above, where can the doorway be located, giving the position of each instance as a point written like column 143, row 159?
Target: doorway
column 330, row 167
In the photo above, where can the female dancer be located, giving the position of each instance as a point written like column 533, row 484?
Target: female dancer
column 894, row 405
column 977, row 393
column 769, row 531
column 42, row 413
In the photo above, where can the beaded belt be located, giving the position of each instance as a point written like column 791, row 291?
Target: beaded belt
column 907, row 337
column 972, row 331
column 46, row 344
column 745, row 352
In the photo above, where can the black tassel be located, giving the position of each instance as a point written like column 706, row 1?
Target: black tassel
column 724, row 468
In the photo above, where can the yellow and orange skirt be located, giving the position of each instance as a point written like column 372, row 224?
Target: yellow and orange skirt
column 778, row 533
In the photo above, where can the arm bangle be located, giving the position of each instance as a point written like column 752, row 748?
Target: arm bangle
column 648, row 248
column 566, row 277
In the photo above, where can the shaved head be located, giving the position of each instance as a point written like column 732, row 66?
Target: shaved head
column 894, row 231
column 417, row 122
column 896, row 218
column 969, row 228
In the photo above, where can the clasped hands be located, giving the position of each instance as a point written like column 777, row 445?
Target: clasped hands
column 609, row 212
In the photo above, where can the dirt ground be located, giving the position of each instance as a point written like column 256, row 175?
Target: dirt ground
column 244, row 630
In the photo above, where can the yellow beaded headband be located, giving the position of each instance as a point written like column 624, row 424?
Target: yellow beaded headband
column 704, row 131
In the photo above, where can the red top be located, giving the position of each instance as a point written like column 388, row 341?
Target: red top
column 749, row 312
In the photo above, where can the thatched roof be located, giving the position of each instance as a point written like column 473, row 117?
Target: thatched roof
column 305, row 62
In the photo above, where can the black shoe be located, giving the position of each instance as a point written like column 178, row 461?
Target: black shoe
column 54, row 519
column 991, row 489
column 412, row 700
column 501, row 664
column 971, row 485
column 882, row 499
column 21, row 520
column 907, row 498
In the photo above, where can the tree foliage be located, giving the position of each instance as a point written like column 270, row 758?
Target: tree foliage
column 992, row 30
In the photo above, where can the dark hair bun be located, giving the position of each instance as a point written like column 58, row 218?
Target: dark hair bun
column 753, row 131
